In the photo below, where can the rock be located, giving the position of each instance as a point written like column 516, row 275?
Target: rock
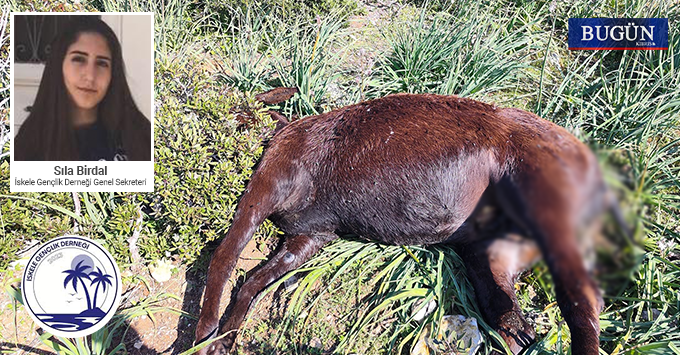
column 161, row 270
column 424, row 311
column 456, row 333
column 315, row 343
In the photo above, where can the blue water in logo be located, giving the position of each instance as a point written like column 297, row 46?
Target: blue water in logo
column 73, row 322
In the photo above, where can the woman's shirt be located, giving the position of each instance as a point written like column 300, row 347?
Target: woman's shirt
column 94, row 143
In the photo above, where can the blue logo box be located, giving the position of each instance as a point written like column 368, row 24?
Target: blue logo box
column 618, row 33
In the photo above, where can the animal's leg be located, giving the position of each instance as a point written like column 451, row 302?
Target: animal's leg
column 549, row 207
column 294, row 252
column 577, row 294
column 256, row 204
column 493, row 266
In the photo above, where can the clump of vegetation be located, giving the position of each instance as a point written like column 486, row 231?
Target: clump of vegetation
column 207, row 141
column 426, row 56
column 228, row 12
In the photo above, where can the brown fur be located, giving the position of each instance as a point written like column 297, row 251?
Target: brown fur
column 426, row 169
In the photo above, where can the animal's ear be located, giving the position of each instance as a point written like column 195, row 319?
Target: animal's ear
column 276, row 96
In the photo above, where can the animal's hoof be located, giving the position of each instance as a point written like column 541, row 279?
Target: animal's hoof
column 516, row 332
column 203, row 334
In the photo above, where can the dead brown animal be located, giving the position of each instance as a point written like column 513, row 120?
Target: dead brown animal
column 420, row 170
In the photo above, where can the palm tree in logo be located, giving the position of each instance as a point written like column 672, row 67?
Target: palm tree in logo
column 99, row 278
column 78, row 274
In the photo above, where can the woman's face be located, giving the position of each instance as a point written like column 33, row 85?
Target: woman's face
column 87, row 70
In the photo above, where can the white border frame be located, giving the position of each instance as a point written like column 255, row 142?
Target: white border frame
column 32, row 176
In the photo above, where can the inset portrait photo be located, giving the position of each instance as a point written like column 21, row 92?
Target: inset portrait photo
column 82, row 90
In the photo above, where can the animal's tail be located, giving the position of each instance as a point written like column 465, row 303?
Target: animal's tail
column 271, row 97
column 276, row 96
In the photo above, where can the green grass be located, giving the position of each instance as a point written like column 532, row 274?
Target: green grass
column 210, row 63
column 480, row 58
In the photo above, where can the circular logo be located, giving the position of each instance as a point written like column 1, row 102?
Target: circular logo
column 71, row 286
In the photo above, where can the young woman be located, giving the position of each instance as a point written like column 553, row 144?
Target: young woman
column 84, row 109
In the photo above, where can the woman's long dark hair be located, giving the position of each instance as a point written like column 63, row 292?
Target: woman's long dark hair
column 47, row 133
